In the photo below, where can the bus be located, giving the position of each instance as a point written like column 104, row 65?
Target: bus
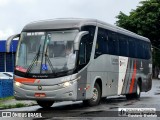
column 80, row 60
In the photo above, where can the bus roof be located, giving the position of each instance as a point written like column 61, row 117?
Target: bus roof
column 76, row 23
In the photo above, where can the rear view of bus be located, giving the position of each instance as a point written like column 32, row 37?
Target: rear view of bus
column 64, row 60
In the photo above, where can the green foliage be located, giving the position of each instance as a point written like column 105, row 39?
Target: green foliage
column 6, row 98
column 145, row 21
column 17, row 105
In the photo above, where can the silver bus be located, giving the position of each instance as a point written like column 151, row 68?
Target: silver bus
column 80, row 60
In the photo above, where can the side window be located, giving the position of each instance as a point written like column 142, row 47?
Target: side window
column 82, row 51
column 123, row 45
column 88, row 40
column 101, row 45
column 139, row 49
column 143, row 49
column 112, row 42
column 147, row 50
column 132, row 48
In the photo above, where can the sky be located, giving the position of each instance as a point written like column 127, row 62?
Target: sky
column 15, row 14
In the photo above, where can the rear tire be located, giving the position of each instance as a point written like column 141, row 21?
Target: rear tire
column 45, row 104
column 138, row 91
column 95, row 100
column 135, row 95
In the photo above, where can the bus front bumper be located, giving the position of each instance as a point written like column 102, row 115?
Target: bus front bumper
column 60, row 92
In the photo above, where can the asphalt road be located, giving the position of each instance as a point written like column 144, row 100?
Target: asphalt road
column 107, row 108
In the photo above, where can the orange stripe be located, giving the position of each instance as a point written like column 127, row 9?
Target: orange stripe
column 25, row 80
column 133, row 78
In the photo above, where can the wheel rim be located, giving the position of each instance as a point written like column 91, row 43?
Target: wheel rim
column 95, row 94
column 138, row 90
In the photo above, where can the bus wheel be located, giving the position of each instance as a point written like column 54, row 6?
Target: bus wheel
column 45, row 104
column 135, row 95
column 96, row 96
column 138, row 92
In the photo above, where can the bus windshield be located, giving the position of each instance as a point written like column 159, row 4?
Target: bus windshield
column 46, row 52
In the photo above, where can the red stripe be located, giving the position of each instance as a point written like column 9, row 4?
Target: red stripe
column 133, row 78
column 25, row 80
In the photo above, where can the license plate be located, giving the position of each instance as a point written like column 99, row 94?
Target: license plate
column 40, row 95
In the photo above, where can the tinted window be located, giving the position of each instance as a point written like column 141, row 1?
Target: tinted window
column 143, row 49
column 86, row 46
column 112, row 43
column 91, row 30
column 123, row 45
column 82, row 51
column 89, row 40
column 109, row 42
column 139, row 49
column 132, row 47
column 147, row 50
column 101, row 45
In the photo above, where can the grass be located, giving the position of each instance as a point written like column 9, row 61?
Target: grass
column 6, row 98
column 17, row 105
column 12, row 105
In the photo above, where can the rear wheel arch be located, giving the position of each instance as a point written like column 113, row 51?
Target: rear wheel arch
column 137, row 93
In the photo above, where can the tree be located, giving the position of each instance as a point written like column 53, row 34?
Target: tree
column 145, row 21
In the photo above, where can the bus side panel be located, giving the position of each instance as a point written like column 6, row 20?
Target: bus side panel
column 105, row 67
column 122, row 73
column 138, row 69
column 97, row 70
column 128, row 77
column 82, row 83
column 145, row 68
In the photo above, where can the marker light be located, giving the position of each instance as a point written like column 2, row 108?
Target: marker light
column 18, row 84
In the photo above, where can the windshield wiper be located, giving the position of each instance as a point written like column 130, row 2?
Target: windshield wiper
column 49, row 61
column 35, row 59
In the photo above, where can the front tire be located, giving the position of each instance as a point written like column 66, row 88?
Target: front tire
column 45, row 104
column 95, row 100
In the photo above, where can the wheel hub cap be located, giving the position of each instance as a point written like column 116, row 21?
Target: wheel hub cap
column 95, row 94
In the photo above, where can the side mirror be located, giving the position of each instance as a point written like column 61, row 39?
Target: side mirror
column 78, row 38
column 9, row 40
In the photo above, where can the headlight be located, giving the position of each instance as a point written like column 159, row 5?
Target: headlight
column 18, row 84
column 69, row 83
column 66, row 84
